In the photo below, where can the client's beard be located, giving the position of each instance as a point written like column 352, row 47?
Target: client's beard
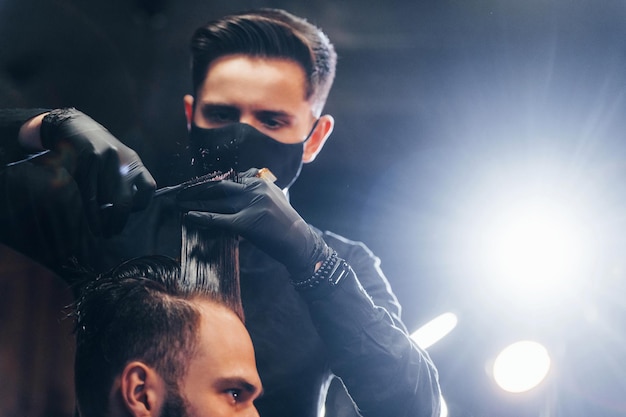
column 174, row 405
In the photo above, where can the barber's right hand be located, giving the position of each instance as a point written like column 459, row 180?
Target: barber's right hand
column 110, row 176
column 257, row 210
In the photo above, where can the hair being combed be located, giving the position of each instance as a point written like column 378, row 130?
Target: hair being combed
column 210, row 260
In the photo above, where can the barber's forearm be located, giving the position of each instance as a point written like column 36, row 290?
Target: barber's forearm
column 11, row 123
column 383, row 370
column 29, row 137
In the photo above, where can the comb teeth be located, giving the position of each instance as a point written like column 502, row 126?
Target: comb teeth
column 212, row 176
column 202, row 179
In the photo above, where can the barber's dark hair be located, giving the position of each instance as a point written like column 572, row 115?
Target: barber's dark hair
column 268, row 33
column 142, row 311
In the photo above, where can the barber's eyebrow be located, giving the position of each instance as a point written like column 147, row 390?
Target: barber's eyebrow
column 208, row 108
column 217, row 106
column 225, row 106
column 274, row 114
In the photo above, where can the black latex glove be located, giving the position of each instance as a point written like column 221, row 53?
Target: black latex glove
column 257, row 210
column 110, row 176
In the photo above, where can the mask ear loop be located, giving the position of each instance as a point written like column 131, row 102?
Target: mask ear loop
column 311, row 131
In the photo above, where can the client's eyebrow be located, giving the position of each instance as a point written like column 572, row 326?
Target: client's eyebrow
column 242, row 384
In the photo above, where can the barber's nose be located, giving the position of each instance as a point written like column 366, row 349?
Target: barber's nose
column 247, row 119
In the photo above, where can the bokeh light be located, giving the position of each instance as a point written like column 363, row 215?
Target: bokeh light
column 521, row 366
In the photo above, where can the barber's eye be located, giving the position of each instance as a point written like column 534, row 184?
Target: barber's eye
column 272, row 123
column 221, row 116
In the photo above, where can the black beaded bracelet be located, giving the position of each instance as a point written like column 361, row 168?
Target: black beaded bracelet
column 332, row 270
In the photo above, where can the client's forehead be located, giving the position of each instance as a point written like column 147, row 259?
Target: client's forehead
column 224, row 348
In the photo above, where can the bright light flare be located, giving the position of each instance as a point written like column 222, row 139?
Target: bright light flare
column 434, row 330
column 535, row 251
column 521, row 366
column 536, row 247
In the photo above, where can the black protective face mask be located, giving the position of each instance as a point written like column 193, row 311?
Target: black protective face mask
column 240, row 146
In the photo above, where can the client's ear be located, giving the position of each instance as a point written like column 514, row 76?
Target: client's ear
column 143, row 391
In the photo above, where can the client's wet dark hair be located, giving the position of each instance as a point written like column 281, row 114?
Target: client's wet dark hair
column 140, row 310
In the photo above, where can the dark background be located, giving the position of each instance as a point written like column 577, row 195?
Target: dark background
column 431, row 99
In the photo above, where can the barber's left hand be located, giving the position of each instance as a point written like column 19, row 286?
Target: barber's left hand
column 258, row 211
